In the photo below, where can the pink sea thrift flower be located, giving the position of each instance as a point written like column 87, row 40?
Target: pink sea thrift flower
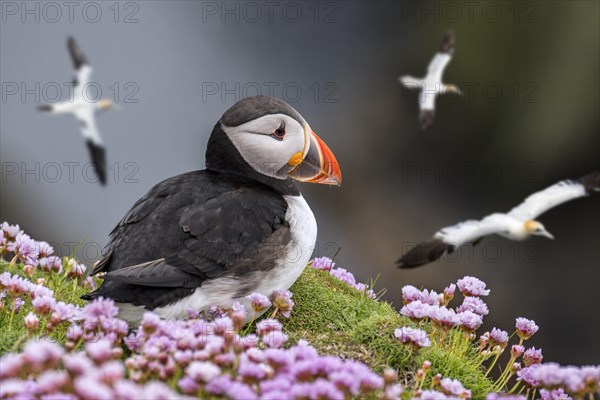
column 260, row 302
column 474, row 304
column 471, row 286
column 282, row 300
column 416, row 337
column 532, row 356
column 526, row 328
column 322, row 263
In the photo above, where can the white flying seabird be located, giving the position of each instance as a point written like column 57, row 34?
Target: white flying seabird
column 431, row 85
column 84, row 110
column 518, row 224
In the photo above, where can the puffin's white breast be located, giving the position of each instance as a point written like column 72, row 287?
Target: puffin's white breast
column 303, row 228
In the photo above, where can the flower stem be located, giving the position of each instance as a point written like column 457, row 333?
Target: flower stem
column 492, row 364
column 18, row 342
column 249, row 324
column 42, row 326
column 514, row 387
column 12, row 314
column 507, row 371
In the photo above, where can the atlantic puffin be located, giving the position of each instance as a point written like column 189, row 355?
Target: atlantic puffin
column 431, row 85
column 84, row 109
column 213, row 236
column 517, row 224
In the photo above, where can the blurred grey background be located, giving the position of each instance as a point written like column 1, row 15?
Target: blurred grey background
column 529, row 118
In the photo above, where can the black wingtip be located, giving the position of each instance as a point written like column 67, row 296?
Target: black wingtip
column 448, row 42
column 424, row 253
column 45, row 108
column 425, row 119
column 98, row 156
column 591, row 181
column 76, row 55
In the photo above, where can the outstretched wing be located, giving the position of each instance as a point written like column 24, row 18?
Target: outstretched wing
column 225, row 230
column 410, row 82
column 442, row 58
column 561, row 192
column 436, row 67
column 469, row 231
column 448, row 239
column 82, row 67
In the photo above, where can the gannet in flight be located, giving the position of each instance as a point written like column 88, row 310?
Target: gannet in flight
column 518, row 224
column 431, row 85
column 84, row 109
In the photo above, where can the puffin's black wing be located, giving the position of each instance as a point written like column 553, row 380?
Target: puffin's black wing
column 76, row 54
column 98, row 157
column 153, row 273
column 188, row 229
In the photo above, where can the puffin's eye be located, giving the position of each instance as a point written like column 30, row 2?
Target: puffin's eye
column 279, row 133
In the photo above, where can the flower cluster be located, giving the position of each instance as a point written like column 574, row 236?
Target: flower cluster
column 428, row 305
column 96, row 320
column 216, row 360
column 96, row 373
column 576, row 381
column 327, row 264
column 424, row 306
column 35, row 254
column 222, row 356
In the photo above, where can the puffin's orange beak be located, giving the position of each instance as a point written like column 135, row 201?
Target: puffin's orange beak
column 318, row 164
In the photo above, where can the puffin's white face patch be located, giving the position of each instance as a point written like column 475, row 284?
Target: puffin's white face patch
column 263, row 152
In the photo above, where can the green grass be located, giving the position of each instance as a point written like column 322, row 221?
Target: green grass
column 338, row 320
column 333, row 317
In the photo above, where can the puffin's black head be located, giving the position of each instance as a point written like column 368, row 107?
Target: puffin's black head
column 267, row 136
